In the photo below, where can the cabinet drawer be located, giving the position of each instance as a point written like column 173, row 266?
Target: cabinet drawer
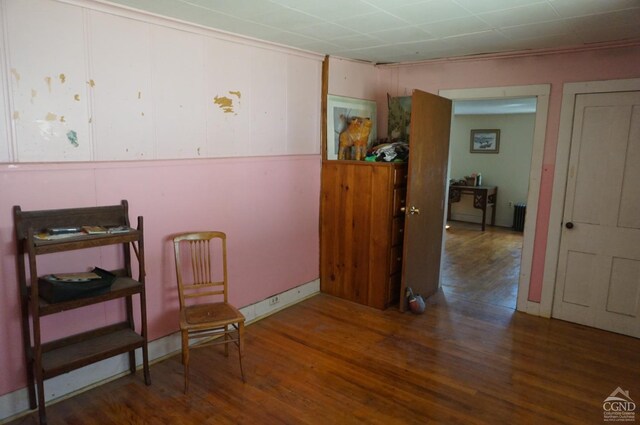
column 395, row 264
column 394, row 289
column 399, row 199
column 397, row 231
column 400, row 176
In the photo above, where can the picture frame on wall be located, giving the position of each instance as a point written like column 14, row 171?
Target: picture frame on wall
column 340, row 112
column 485, row 141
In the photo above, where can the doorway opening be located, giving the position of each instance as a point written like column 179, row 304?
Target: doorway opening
column 493, row 266
column 482, row 263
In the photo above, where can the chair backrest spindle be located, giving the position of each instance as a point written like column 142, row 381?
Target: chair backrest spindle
column 200, row 254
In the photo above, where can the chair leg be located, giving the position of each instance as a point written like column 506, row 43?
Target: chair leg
column 185, row 359
column 226, row 338
column 241, row 347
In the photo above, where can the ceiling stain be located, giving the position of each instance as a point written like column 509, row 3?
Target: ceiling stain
column 76, row 97
column 236, row 93
column 63, row 78
column 16, row 115
column 48, row 81
column 90, row 120
column 91, row 83
column 62, row 119
column 73, row 138
column 34, row 93
column 139, row 95
column 51, row 117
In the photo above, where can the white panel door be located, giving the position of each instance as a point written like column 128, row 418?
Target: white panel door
column 49, row 82
column 120, row 51
column 598, row 278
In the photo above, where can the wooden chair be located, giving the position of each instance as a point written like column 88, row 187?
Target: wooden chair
column 204, row 310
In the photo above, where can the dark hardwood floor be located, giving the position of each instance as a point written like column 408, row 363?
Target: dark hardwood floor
column 482, row 266
column 330, row 361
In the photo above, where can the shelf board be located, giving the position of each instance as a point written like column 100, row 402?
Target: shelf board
column 88, row 348
column 122, row 287
column 84, row 241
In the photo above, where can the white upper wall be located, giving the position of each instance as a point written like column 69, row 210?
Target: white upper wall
column 359, row 80
column 93, row 82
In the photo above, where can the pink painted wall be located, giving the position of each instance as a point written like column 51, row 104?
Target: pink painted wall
column 268, row 207
column 555, row 69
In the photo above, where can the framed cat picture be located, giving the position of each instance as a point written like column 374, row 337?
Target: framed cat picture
column 351, row 127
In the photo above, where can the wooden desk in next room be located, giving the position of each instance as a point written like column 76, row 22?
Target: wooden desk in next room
column 482, row 196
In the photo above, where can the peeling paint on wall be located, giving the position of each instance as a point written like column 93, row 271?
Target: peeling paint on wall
column 46, row 129
column 16, row 74
column 51, row 117
column 91, row 83
column 226, row 103
column 73, row 138
column 76, row 97
column 63, row 78
column 48, row 81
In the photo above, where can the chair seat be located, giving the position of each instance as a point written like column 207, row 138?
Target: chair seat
column 204, row 315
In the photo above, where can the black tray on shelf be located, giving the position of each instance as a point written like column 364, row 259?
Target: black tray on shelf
column 55, row 290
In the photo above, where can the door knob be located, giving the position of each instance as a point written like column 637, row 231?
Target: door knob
column 569, row 225
column 414, row 210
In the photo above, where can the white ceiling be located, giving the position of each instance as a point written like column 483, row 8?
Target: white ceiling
column 384, row 31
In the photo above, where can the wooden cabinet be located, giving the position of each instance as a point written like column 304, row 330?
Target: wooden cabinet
column 370, row 250
column 46, row 360
column 362, row 221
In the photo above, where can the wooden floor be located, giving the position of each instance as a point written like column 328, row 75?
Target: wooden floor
column 482, row 266
column 328, row 361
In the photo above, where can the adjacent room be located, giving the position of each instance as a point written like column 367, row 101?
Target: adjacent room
column 482, row 263
column 394, row 211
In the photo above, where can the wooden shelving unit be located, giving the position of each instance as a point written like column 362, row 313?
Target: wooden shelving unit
column 46, row 360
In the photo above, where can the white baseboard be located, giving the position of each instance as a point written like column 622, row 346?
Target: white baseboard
column 16, row 403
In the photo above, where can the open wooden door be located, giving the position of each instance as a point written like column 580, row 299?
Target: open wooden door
column 426, row 194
